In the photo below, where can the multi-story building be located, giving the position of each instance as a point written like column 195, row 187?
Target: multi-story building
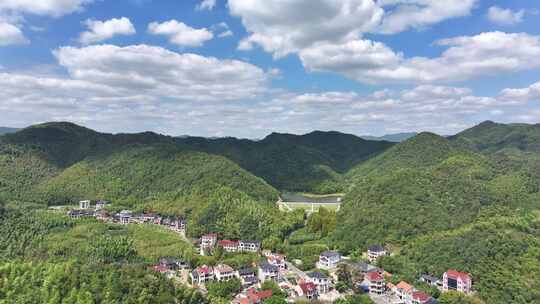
column 455, row 280
column 249, row 246
column 308, row 290
column 223, row 272
column 268, row 272
column 201, row 275
column 320, row 280
column 328, row 260
column 228, row 245
column 208, row 242
column 277, row 260
column 376, row 283
column 376, row 251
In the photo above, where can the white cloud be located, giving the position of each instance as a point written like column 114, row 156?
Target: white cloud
column 180, row 33
column 531, row 93
column 103, row 30
column 159, row 72
column 11, row 35
column 206, row 5
column 53, row 8
column 283, row 27
column 404, row 14
column 466, row 57
column 505, row 16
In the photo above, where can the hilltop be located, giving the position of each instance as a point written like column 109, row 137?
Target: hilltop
column 425, row 184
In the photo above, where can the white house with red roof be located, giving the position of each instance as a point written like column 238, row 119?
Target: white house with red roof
column 307, row 290
column 228, row 245
column 223, row 272
column 252, row 296
column 458, row 281
column 202, row 274
column 376, row 283
column 404, row 291
column 277, row 260
column 419, row 297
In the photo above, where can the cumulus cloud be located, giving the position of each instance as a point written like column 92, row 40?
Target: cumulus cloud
column 278, row 29
column 284, row 27
column 11, row 35
column 157, row 71
column 505, row 16
column 180, row 33
column 531, row 93
column 53, row 8
column 466, row 57
column 103, row 30
column 145, row 99
column 404, row 14
column 12, row 15
column 206, row 5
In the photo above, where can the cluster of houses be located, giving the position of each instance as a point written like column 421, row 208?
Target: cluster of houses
column 403, row 292
column 209, row 241
column 274, row 266
column 124, row 217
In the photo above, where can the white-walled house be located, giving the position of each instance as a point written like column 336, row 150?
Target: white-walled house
column 329, row 260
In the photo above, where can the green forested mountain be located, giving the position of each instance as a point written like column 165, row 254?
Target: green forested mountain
column 490, row 137
column 313, row 162
column 501, row 251
column 426, row 184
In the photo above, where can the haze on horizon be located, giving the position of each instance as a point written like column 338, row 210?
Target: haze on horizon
column 248, row 68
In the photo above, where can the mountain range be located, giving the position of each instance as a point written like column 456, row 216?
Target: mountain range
column 444, row 202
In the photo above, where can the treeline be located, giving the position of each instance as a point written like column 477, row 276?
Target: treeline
column 75, row 283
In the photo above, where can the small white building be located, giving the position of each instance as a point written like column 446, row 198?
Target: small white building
column 375, row 252
column 84, row 204
column 249, row 246
column 320, row 280
column 328, row 260
column 277, row 260
column 125, row 217
column 268, row 272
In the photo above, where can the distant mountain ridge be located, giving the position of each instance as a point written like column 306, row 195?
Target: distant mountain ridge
column 6, row 130
column 397, row 137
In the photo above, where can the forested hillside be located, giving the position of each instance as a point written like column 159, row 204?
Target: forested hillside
column 423, row 185
column 501, row 251
column 313, row 162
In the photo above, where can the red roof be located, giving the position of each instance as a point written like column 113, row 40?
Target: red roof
column 204, row 269
column 210, row 236
column 454, row 274
column 254, row 296
column 308, row 287
column 228, row 243
column 420, row 296
column 223, row 268
column 375, row 276
column 160, row 268
column 405, row 286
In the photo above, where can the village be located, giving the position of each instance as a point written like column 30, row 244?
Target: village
column 316, row 285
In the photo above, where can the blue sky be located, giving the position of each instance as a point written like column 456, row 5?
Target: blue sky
column 357, row 66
